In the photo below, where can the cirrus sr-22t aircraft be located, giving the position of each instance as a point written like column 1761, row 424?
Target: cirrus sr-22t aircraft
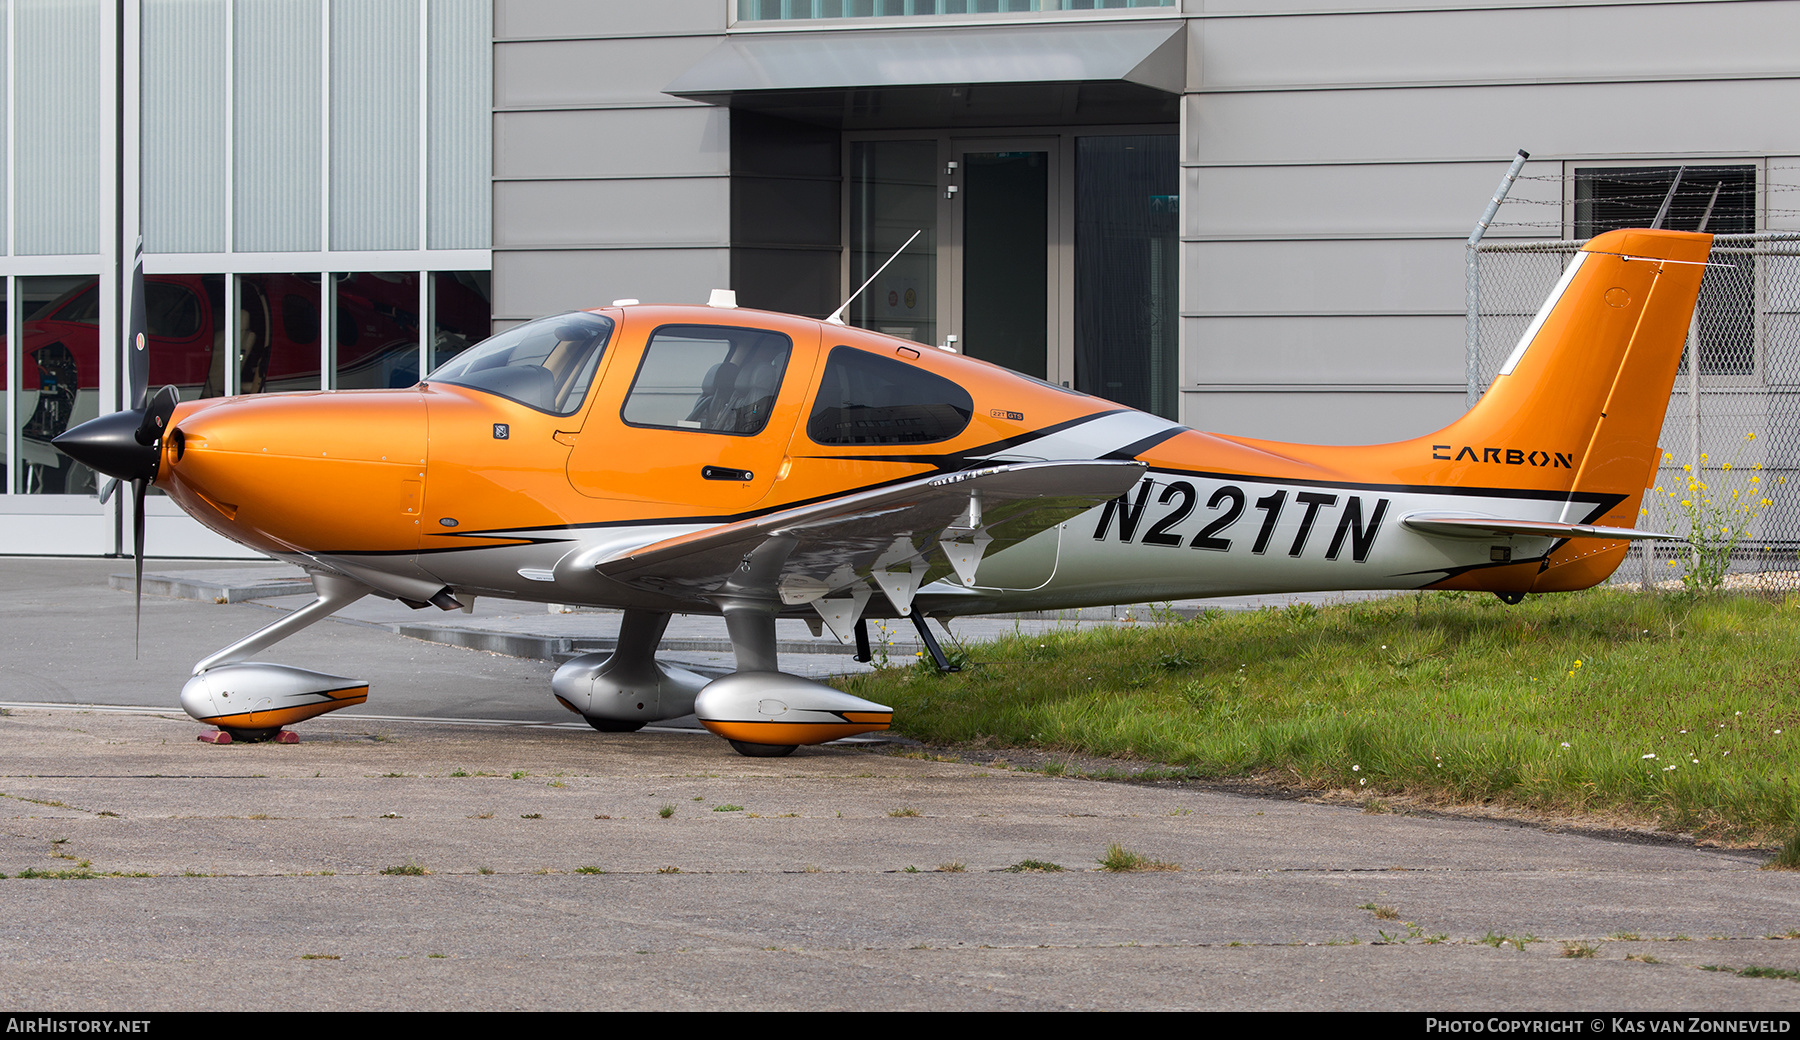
column 715, row 460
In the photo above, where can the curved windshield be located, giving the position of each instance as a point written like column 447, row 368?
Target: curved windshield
column 547, row 364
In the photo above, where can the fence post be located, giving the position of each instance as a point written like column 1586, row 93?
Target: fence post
column 1472, row 323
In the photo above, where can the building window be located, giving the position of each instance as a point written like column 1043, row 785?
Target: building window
column 788, row 10
column 1720, row 200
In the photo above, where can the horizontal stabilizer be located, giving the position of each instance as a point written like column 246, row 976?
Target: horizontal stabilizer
column 1475, row 525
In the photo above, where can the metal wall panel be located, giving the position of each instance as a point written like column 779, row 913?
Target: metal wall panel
column 1502, row 44
column 1658, row 120
column 184, row 126
column 375, row 125
column 58, row 109
column 1268, row 7
column 612, row 143
column 1375, row 199
column 276, row 124
column 594, row 72
column 514, row 19
column 1331, row 277
column 55, row 525
column 662, row 211
column 1322, row 418
column 459, row 88
column 528, row 284
column 1375, row 349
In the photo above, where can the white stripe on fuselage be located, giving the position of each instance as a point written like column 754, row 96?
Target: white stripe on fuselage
column 1189, row 536
column 1094, row 439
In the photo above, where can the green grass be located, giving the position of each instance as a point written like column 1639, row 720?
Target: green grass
column 1447, row 696
column 1787, row 857
column 407, row 869
column 1755, row 972
column 1034, row 866
column 1120, row 860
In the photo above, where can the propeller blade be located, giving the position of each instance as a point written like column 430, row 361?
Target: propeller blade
column 139, row 490
column 107, row 489
column 137, row 346
column 156, row 415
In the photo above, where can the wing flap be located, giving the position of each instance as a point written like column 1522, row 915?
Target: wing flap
column 817, row 549
column 1477, row 525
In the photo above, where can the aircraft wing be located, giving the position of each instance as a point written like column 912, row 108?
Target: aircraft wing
column 1475, row 525
column 814, row 551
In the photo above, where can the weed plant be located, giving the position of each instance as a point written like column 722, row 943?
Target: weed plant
column 1718, row 517
column 1676, row 708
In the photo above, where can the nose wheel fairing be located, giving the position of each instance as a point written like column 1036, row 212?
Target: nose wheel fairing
column 254, row 696
column 253, row 699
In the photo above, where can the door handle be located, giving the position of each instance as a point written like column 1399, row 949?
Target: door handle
column 726, row 473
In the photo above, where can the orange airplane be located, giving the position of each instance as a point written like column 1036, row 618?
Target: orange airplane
column 716, row 460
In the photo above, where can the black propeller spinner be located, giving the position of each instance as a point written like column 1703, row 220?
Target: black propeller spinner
column 127, row 445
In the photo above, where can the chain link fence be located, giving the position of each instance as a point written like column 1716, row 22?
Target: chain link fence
column 1731, row 435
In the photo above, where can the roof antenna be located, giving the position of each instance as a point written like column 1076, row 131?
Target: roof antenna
column 837, row 316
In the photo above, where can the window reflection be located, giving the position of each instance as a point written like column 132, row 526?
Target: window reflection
column 377, row 329
column 278, row 332
column 463, row 311
column 375, row 343
column 59, row 379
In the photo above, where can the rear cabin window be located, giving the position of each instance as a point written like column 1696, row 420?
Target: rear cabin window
column 868, row 399
column 707, row 378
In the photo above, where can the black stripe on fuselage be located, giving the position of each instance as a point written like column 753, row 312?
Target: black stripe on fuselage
column 513, row 536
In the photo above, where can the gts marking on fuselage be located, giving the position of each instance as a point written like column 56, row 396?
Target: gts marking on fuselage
column 1506, row 456
column 1354, row 526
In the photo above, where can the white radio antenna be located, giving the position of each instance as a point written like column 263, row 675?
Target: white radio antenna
column 837, row 316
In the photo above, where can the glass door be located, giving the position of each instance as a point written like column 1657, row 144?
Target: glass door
column 1004, row 276
column 1055, row 255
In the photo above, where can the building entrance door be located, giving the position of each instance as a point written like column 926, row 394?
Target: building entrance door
column 988, row 268
column 1005, row 254
column 1054, row 255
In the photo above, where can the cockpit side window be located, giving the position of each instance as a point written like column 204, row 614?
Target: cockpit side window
column 714, row 379
column 868, row 399
column 547, row 364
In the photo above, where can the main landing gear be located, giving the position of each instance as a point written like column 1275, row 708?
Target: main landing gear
column 763, row 711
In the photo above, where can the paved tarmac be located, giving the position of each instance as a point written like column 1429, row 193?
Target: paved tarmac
column 852, row 877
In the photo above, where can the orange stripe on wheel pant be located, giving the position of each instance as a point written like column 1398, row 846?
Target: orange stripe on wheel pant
column 288, row 716
column 791, row 732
